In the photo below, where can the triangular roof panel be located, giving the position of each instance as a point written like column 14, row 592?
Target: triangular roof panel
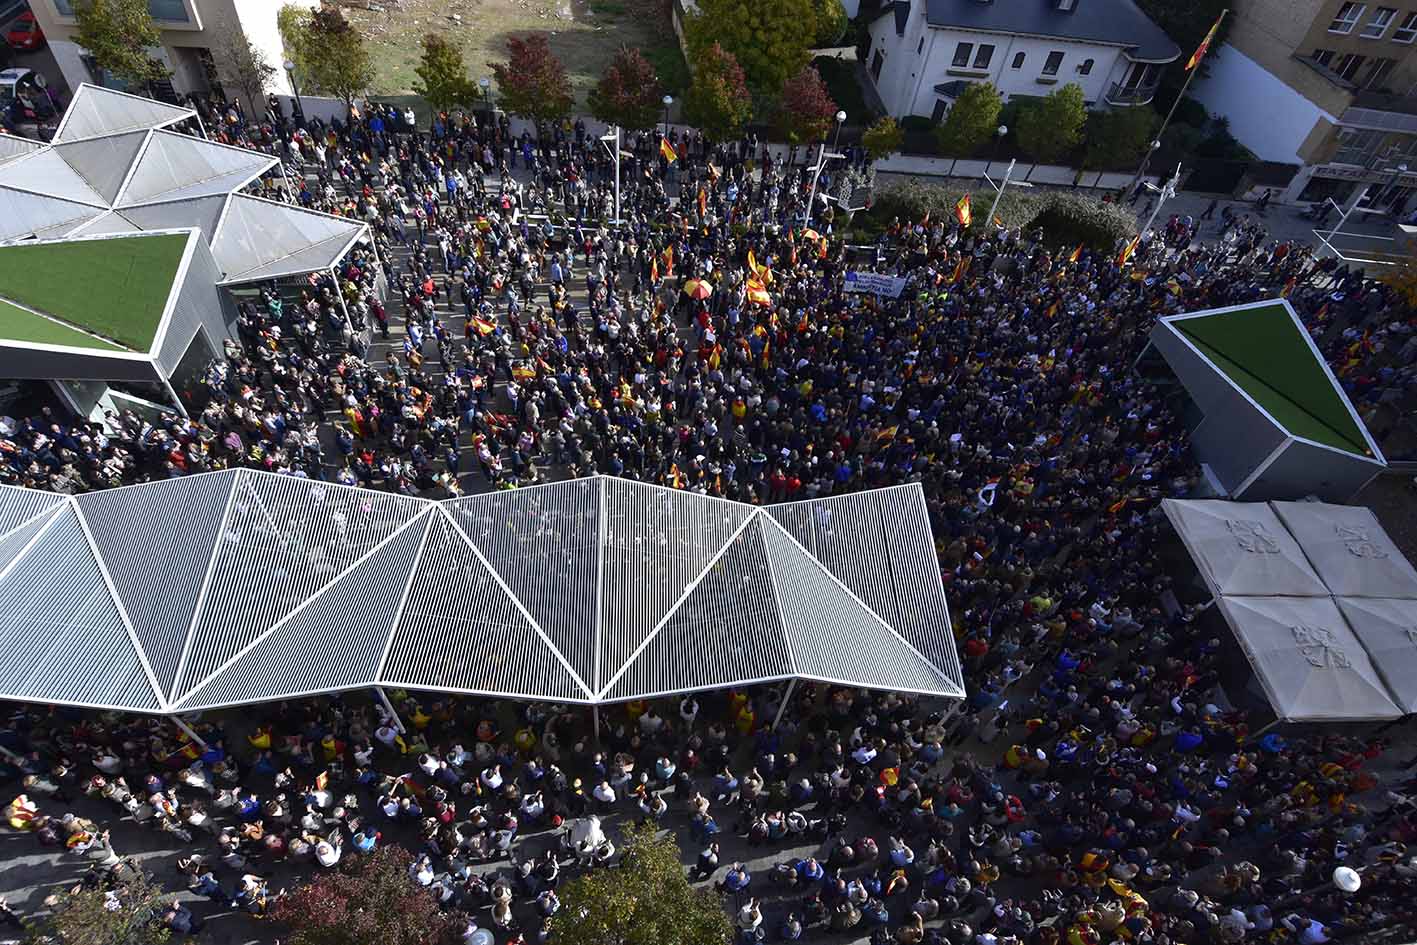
column 99, row 111
column 461, row 631
column 1242, row 548
column 14, row 541
column 657, row 541
column 174, row 166
column 728, row 630
column 80, row 653
column 202, row 212
column 283, row 540
column 1387, row 629
column 157, row 565
column 45, row 172
column 104, row 162
column 18, row 505
column 544, row 542
column 25, row 214
column 111, row 223
column 333, row 641
column 260, row 239
column 13, row 146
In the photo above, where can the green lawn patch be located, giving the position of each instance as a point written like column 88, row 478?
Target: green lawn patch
column 115, row 287
column 1263, row 352
column 17, row 324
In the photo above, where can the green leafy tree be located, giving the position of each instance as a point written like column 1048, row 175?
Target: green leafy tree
column 882, row 138
column 370, row 899
column 806, row 112
column 442, row 75
column 628, row 93
column 339, row 61
column 1120, row 136
column 533, row 82
column 718, row 102
column 649, row 902
column 293, row 22
column 83, row 916
column 769, row 40
column 118, row 34
column 971, row 121
column 1051, row 127
column 243, row 64
column 831, row 22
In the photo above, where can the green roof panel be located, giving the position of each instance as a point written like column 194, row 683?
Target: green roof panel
column 115, row 287
column 1261, row 349
column 18, row 324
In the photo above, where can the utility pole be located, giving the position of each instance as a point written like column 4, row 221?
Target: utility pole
column 822, row 158
column 613, row 140
column 995, row 205
column 1163, row 194
column 1190, row 74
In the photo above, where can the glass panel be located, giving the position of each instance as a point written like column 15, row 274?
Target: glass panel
column 173, row 11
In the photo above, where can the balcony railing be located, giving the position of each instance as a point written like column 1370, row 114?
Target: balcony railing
column 1119, row 94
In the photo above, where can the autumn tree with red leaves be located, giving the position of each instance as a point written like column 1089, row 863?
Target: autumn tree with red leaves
column 718, row 102
column 533, row 82
column 629, row 93
column 806, row 111
column 367, row 900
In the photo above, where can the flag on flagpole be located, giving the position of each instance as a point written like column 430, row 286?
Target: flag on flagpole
column 666, row 151
column 669, row 260
column 1200, row 52
column 962, row 213
column 753, row 266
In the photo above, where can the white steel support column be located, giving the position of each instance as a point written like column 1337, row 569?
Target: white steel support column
column 389, row 708
column 187, row 730
column 786, row 698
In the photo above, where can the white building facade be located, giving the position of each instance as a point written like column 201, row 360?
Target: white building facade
column 924, row 53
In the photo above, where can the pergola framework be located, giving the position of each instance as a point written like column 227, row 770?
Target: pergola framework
column 243, row 586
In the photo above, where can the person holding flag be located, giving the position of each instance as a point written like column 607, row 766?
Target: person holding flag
column 666, row 151
column 962, row 211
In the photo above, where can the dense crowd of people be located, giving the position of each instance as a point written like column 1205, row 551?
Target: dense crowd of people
column 709, row 343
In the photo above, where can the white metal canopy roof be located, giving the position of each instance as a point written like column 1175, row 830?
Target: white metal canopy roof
column 245, row 586
column 115, row 167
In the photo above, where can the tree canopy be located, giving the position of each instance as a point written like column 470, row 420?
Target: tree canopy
column 87, row 916
column 118, row 34
column 882, row 138
column 831, row 22
column 443, row 81
column 628, row 93
column 1120, row 136
column 806, row 111
column 1052, row 126
column 972, row 120
column 369, row 899
column 336, row 56
column 533, row 82
column 649, row 901
column 718, row 102
column 769, row 40
column 243, row 64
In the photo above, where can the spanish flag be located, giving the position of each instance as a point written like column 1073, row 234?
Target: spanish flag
column 1201, row 50
column 676, row 478
column 758, row 293
column 1075, row 255
column 703, row 202
column 1052, row 310
column 483, row 326
column 753, row 266
column 1288, row 287
column 669, row 260
column 962, row 213
column 666, row 151
column 523, row 373
column 654, row 270
column 960, row 269
column 1127, row 251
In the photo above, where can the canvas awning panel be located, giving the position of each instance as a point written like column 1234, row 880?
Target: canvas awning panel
column 1243, row 549
column 1312, row 666
column 95, row 111
column 1388, row 631
column 1349, row 549
column 174, row 166
column 260, row 239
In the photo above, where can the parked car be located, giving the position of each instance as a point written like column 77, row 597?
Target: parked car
column 25, row 34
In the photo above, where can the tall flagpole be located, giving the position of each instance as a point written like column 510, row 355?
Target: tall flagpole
column 1190, row 74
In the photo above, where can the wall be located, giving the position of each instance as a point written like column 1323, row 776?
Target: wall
column 1270, row 32
column 199, row 302
column 1266, row 115
column 1303, row 469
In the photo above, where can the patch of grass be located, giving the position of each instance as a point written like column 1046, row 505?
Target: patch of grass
column 607, row 8
column 17, row 324
column 668, row 61
column 840, row 77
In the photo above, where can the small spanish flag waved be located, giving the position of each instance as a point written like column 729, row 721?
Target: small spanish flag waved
column 962, row 211
column 703, row 202
column 1075, row 255
column 676, row 478
column 1116, row 507
column 669, row 260
column 483, row 326
column 758, row 293
column 960, row 269
column 998, row 221
column 666, row 151
column 1052, row 310
column 753, row 266
column 1127, row 250
column 1288, row 287
column 523, row 373
column 1200, row 52
column 654, row 270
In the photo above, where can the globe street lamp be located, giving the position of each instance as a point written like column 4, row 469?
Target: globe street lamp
column 299, row 105
column 667, row 101
column 840, row 120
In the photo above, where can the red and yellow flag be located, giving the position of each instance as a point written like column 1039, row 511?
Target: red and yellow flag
column 666, row 151
column 753, row 266
column 669, row 260
column 1075, row 255
column 654, row 270
column 962, row 212
column 1201, row 50
column 523, row 373
column 758, row 293
column 703, row 202
column 1127, row 250
column 483, row 326
column 960, row 269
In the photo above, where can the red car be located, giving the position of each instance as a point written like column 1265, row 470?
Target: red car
column 25, row 33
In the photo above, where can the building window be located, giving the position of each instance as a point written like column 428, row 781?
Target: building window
column 920, row 46
column 1348, row 16
column 1378, row 73
column 1377, row 26
column 1407, row 32
column 962, row 54
column 1349, row 65
column 1018, row 60
column 877, row 61
column 1323, row 57
column 984, row 56
column 942, row 108
column 1054, row 63
column 170, row 11
column 1086, row 67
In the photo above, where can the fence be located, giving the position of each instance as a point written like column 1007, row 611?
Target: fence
column 1047, row 174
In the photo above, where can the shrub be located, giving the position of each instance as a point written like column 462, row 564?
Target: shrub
column 971, row 121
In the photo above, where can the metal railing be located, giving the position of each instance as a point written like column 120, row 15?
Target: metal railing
column 1118, row 94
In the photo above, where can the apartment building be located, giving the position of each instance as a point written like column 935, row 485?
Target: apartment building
column 1330, row 85
column 196, row 35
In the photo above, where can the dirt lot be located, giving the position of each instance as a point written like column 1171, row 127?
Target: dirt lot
column 584, row 34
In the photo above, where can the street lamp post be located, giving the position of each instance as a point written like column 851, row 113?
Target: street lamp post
column 999, row 134
column 1163, row 194
column 299, row 105
column 485, row 84
column 666, row 101
column 840, row 120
